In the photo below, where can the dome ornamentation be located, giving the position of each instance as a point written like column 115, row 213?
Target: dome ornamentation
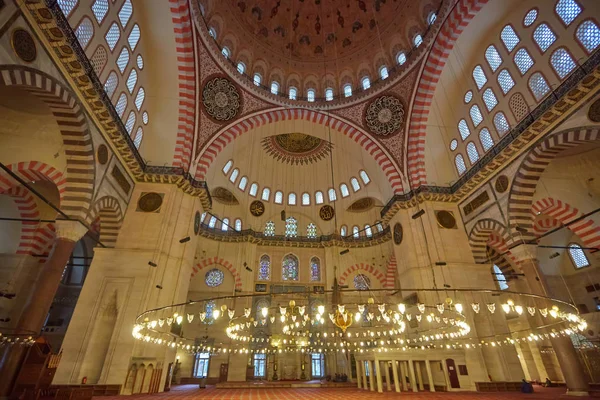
column 385, row 115
column 221, row 99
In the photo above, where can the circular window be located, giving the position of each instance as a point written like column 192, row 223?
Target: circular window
column 145, row 117
column 140, row 61
column 530, row 17
column 468, row 96
column 362, row 282
column 214, row 277
column 453, row 144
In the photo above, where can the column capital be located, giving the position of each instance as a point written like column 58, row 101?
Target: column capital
column 71, row 230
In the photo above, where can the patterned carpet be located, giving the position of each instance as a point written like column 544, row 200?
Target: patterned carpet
column 191, row 392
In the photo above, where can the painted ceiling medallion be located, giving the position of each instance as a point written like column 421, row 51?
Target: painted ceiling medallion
column 224, row 196
column 327, row 212
column 385, row 115
column 296, row 148
column 221, row 99
column 257, row 208
column 398, row 233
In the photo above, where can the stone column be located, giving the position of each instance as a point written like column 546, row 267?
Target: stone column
column 403, row 377
column 358, row 376
column 365, row 377
column 378, row 372
column 419, row 375
column 395, row 375
column 429, row 376
column 566, row 354
column 446, row 375
column 371, row 376
column 413, row 383
column 388, row 384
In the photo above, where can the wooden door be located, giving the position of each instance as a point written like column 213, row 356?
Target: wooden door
column 452, row 374
column 223, row 372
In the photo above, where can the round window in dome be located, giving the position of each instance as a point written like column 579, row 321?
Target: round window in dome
column 453, row 144
column 468, row 97
column 214, row 277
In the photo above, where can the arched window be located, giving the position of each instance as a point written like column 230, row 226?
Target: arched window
column 139, row 98
column 578, row 256
column 486, row 139
column 212, row 33
column 500, row 278
column 544, row 37
column 383, row 72
column 379, row 227
column 125, row 13
column 226, row 52
column 567, row 10
column 401, row 58
column 310, row 95
column 523, row 60
column 139, row 135
column 241, row 67
column 111, row 84
column 257, row 79
column 344, row 190
column 266, row 194
column 417, row 40
column 368, row 230
column 134, row 37
column 305, row 199
column 362, row 282
column 530, row 17
column 538, row 86
column 328, row 94
column 365, row 178
column 238, row 225
column 355, row 232
column 289, row 268
column 311, row 231
column 332, row 194
column 227, row 167
column 501, row 123
column 319, row 197
column 234, row 175
column 588, row 34
column 489, row 98
column 121, row 105
column 463, row 128
column 293, row 93
column 264, row 268
column 493, row 57
column 269, row 228
column 130, row 122
column 343, row 230
column 355, row 184
column 66, row 6
column 84, row 32
column 243, row 183
column 212, row 222
column 112, row 36
column 279, row 197
column 347, row 90
column 274, row 87
column 123, row 59
column 253, row 189
column 203, row 216
column 366, row 82
column 509, row 38
column 225, row 224
column 132, row 80
column 292, row 199
column 431, row 18
column 476, row 116
column 459, row 161
column 505, row 81
column 100, row 8
column 315, row 269
column 291, row 227
column 562, row 62
column 479, row 76
column 472, row 152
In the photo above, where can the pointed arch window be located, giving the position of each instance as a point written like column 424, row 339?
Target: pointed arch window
column 279, row 197
column 241, row 67
column 238, row 225
column 509, row 38
column 366, row 83
column 100, row 9
column 311, row 231
column 347, row 90
column 578, row 257
column 264, row 268
column 538, row 85
column 588, row 35
column 291, row 227
column 125, row 13
column 523, row 60
column 274, row 87
column 544, row 37
column 212, row 33
column 289, row 268
column 132, row 80
column 123, row 59
column 343, row 230
column 459, row 161
column 212, row 222
column 84, row 32
column 243, row 183
column 121, row 105
column 234, row 175
column 139, row 135
column 310, row 95
column 486, row 139
column 315, row 269
column 225, row 224
column 266, row 194
column 293, row 93
column 225, row 51
column 139, row 98
column 319, row 197
column 476, row 116
column 355, row 184
column 493, row 57
column 134, row 37
column 368, row 230
column 401, row 58
column 379, row 227
column 130, row 122
column 505, row 81
column 332, row 194
column 562, row 62
column 501, row 123
column 257, row 79
column 364, row 177
column 328, row 94
column 112, row 36
column 305, row 199
column 489, row 98
column 383, row 72
column 355, row 232
column 500, row 278
column 253, row 189
column 269, row 228
column 567, row 10
column 344, row 190
column 479, row 76
column 417, row 40
column 432, row 17
column 111, row 84
column 463, row 128
column 227, row 167
column 472, row 152
column 292, row 199
column 66, row 6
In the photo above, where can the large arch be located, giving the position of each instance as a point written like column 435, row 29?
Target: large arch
column 493, row 234
column 27, row 208
column 380, row 276
column 230, row 133
column 108, row 212
column 460, row 16
column 207, row 262
column 78, row 146
column 522, row 191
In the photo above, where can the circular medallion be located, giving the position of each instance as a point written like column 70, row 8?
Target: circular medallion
column 102, row 154
column 501, row 184
column 384, row 116
column 221, row 99
column 150, row 202
column 446, row 219
column 197, row 223
column 326, row 212
column 594, row 111
column 24, row 45
column 214, row 277
column 398, row 233
column 257, row 208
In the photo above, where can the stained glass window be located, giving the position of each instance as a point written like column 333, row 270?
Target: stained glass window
column 315, row 269
column 432, row 17
column 253, row 189
column 319, row 197
column 214, row 277
column 501, row 123
column 134, row 37
column 211, row 305
column 493, row 58
column 274, row 87
column 479, row 76
column 310, row 95
column 379, row 226
column 366, row 83
column 365, row 178
column 468, row 96
column 266, row 193
column 347, row 90
column 418, row 40
column 355, row 184
column 84, row 32
column 505, row 81
column 502, row 284
column 121, row 105
column 523, row 60
column 145, row 117
column 459, row 161
column 130, row 122
column 401, row 58
column 368, row 231
column 567, row 10
column 355, row 232
column 578, row 256
column 291, row 227
column 269, row 228
column 538, row 85
column 132, row 80
column 212, row 222
column 241, row 67
column 344, row 190
column 305, row 199
column 212, row 33
column 486, row 139
column 383, row 72
column 225, row 51
column 66, row 6
column 562, row 62
column 264, row 268
column 509, row 38
column 289, row 268
column 588, row 35
column 238, row 224
column 257, row 79
column 293, row 93
column 311, row 231
column 139, row 135
column 328, row 94
column 544, row 37
column 362, row 282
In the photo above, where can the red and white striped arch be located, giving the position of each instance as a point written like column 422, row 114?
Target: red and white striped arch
column 207, row 262
column 460, row 16
column 230, row 133
column 360, row 268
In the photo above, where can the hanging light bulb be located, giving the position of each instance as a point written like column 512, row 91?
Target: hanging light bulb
column 401, row 308
column 341, row 308
column 554, row 312
column 264, row 312
column 169, row 320
column 519, row 309
column 408, row 317
column 230, row 313
column 321, row 309
column 293, row 318
column 491, row 307
column 506, row 308
column 272, row 319
column 216, row 313
column 361, row 308
column 421, row 307
column 153, row 324
column 190, row 318
column 282, row 318
column 544, row 312
column 161, row 322
column 202, row 316
column 459, row 308
column 301, row 310
column 429, row 318
column 381, row 308
column 418, row 316
column 475, row 307
column 357, row 316
column 440, row 307
column 247, row 312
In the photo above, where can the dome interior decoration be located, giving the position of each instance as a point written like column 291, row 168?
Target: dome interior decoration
column 296, row 148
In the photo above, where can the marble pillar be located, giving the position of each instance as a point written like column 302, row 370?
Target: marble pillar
column 371, row 376
column 429, row 376
column 413, row 383
column 419, row 375
column 403, row 373
column 386, row 369
column 395, row 375
column 358, row 375
column 378, row 374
